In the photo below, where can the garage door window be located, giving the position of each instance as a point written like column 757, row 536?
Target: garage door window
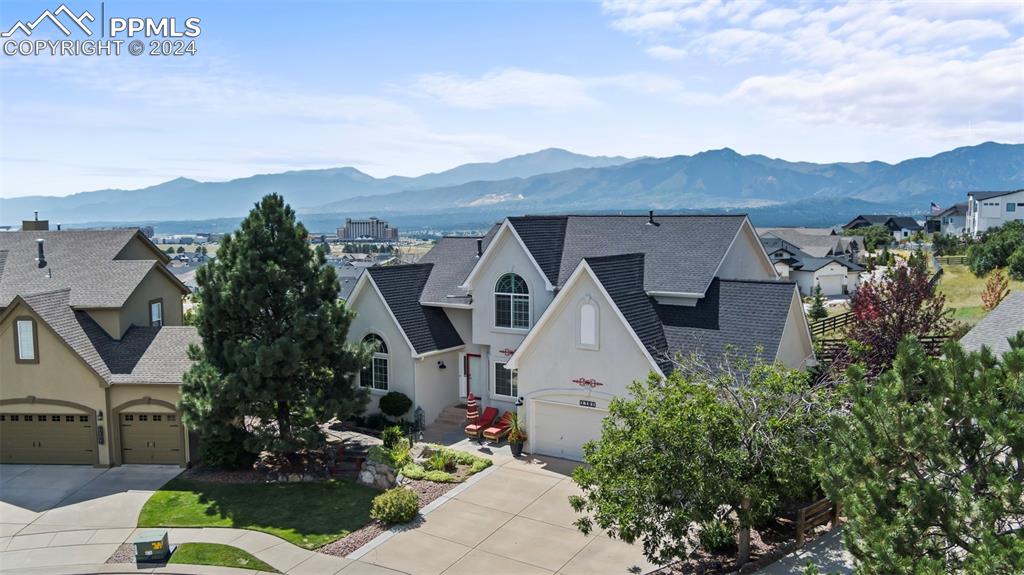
column 506, row 381
column 26, row 343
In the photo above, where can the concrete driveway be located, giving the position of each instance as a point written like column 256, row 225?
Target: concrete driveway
column 515, row 520
column 86, row 511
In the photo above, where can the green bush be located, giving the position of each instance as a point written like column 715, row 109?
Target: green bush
column 394, row 404
column 391, row 435
column 1015, row 263
column 718, row 536
column 226, row 451
column 416, row 471
column 398, row 505
column 441, row 461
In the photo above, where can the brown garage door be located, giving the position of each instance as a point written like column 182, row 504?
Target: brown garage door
column 150, row 438
column 47, row 438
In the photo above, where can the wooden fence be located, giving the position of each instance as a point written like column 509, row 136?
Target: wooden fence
column 830, row 349
column 953, row 260
column 815, row 514
column 822, row 326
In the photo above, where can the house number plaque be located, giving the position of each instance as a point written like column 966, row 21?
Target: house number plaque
column 588, row 403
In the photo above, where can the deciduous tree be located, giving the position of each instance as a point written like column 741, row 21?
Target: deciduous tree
column 928, row 464
column 731, row 441
column 274, row 352
column 997, row 287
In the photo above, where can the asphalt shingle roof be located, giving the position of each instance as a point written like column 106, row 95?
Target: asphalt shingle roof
column 682, row 252
column 142, row 355
column 737, row 316
column 885, row 219
column 993, row 329
column 800, row 260
column 428, row 328
column 980, row 196
column 815, row 245
column 453, row 258
column 80, row 260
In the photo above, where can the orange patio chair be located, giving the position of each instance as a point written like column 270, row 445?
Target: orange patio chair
column 475, row 429
column 499, row 430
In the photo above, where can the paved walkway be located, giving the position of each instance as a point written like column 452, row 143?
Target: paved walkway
column 513, row 518
column 826, row 552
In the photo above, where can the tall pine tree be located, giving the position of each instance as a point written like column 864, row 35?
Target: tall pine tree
column 274, row 357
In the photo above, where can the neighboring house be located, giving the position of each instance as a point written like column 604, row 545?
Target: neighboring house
column 837, row 275
column 986, row 210
column 951, row 221
column 562, row 313
column 1001, row 323
column 816, row 242
column 902, row 227
column 93, row 349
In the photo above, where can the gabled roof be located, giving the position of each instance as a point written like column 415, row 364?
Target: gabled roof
column 453, row 258
column 142, row 355
column 801, row 260
column 735, row 315
column 816, row 245
column 954, row 210
column 905, row 222
column 682, row 253
column 889, row 220
column 1001, row 323
column 810, row 264
column 980, row 196
column 80, row 260
column 426, row 328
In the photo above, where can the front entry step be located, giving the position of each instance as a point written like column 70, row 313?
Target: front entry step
column 454, row 415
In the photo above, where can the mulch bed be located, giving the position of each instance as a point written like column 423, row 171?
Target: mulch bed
column 767, row 545
column 214, row 475
column 426, row 491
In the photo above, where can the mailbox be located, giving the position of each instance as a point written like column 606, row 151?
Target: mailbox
column 152, row 546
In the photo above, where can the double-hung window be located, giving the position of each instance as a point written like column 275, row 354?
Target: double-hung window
column 511, row 302
column 506, row 381
column 375, row 374
column 156, row 313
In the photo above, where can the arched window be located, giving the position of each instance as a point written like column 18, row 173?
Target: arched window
column 511, row 302
column 375, row 374
column 588, row 325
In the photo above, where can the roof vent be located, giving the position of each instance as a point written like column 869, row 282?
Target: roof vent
column 650, row 219
column 41, row 260
column 479, row 247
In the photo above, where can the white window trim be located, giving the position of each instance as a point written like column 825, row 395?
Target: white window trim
column 158, row 304
column 386, row 357
column 494, row 383
column 494, row 306
column 31, row 340
column 597, row 324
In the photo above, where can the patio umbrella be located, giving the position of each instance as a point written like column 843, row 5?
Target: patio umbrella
column 472, row 408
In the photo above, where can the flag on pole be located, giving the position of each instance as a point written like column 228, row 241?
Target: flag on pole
column 936, row 208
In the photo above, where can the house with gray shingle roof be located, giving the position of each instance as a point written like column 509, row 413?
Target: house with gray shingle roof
column 987, row 210
column 94, row 348
column 995, row 329
column 837, row 275
column 561, row 313
column 902, row 227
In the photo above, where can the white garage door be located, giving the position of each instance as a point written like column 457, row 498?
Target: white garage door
column 831, row 285
column 560, row 430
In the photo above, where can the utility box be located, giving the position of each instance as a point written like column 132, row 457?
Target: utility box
column 152, row 546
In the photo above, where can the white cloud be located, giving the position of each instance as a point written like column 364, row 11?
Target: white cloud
column 932, row 67
column 662, row 52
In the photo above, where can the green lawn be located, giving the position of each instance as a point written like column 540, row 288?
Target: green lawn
column 963, row 292
column 219, row 555
column 307, row 514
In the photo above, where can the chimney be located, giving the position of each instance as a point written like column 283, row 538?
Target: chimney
column 479, row 247
column 650, row 219
column 41, row 260
column 35, row 225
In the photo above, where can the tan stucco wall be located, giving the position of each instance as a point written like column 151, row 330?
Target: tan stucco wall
column 548, row 366
column 746, row 259
column 372, row 317
column 795, row 347
column 59, row 375
column 156, row 285
column 109, row 320
column 137, row 249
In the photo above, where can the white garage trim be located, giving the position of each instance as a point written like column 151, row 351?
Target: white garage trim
column 535, row 402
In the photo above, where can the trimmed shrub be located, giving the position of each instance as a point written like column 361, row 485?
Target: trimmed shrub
column 227, row 451
column 394, row 404
column 398, row 505
column 718, row 536
column 391, row 436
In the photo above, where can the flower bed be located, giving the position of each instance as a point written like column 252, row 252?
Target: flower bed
column 444, row 465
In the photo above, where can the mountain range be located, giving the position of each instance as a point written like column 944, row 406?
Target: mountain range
column 556, row 180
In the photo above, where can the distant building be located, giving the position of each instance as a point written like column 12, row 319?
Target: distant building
column 951, row 221
column 902, row 227
column 987, row 210
column 371, row 230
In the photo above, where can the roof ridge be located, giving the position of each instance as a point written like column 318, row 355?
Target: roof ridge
column 42, row 293
column 755, row 281
column 637, row 215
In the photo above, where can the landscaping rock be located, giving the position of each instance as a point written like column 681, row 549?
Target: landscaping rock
column 379, row 475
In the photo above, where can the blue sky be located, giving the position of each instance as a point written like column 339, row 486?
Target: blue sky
column 411, row 87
